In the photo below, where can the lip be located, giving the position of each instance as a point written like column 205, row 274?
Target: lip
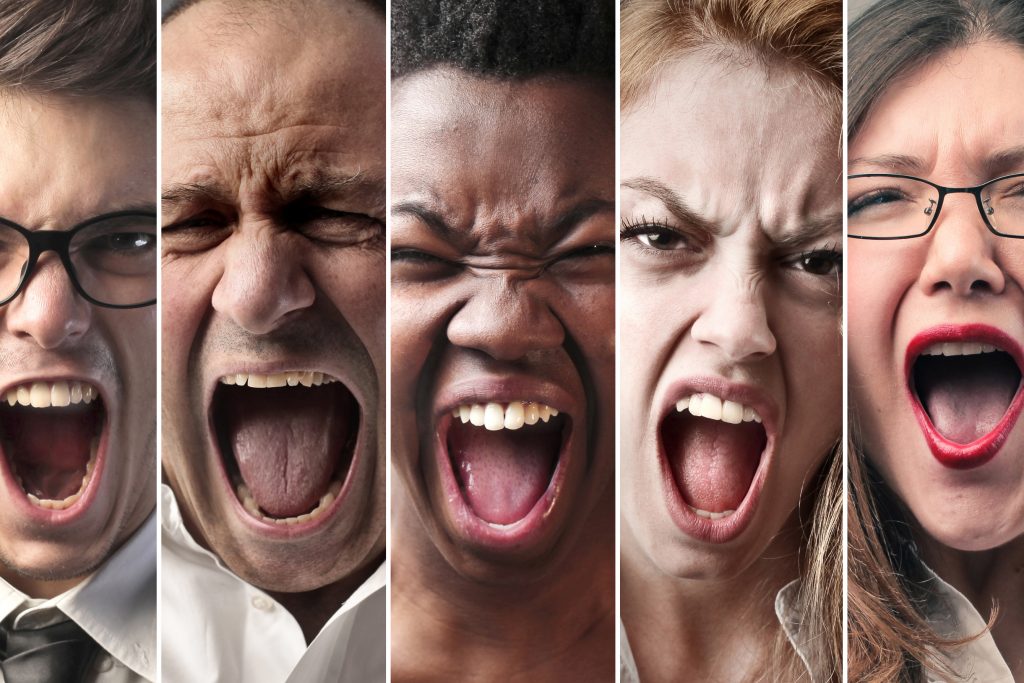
column 727, row 528
column 358, row 463
column 978, row 452
column 78, row 509
column 533, row 528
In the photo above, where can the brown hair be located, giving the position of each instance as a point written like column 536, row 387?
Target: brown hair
column 808, row 35
column 79, row 47
column 889, row 635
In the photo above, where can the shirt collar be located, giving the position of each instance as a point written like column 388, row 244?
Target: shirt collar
column 116, row 606
column 174, row 531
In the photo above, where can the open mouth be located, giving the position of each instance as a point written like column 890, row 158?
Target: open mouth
column 51, row 433
column 966, row 393
column 286, row 442
column 714, row 448
column 505, row 455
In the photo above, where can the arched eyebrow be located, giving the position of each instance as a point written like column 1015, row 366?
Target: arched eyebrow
column 672, row 201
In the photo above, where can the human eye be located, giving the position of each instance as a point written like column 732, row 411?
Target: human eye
column 654, row 235
column 194, row 233
column 335, row 227
column 875, row 198
column 415, row 265
column 825, row 262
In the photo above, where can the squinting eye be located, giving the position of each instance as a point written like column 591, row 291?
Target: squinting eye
column 656, row 237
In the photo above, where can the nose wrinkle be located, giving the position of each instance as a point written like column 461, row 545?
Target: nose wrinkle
column 736, row 321
column 261, row 285
column 505, row 319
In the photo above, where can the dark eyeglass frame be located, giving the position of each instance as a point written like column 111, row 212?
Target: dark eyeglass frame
column 943, row 191
column 42, row 241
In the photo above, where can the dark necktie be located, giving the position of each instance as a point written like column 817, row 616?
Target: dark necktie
column 62, row 652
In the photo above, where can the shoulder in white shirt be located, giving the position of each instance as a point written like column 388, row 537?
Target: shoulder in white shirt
column 217, row 627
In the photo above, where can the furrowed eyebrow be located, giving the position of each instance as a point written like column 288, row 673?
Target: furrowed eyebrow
column 1010, row 160
column 673, row 202
column 811, row 231
column 430, row 218
column 191, row 193
column 892, row 163
column 328, row 185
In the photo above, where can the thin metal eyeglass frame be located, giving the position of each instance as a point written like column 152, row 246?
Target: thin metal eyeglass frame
column 943, row 191
column 42, row 241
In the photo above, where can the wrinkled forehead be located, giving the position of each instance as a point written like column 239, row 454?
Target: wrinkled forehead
column 67, row 159
column 295, row 64
column 478, row 144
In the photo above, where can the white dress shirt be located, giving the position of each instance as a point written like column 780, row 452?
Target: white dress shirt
column 217, row 627
column 116, row 606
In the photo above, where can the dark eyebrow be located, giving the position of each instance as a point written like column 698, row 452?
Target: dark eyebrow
column 672, row 201
column 893, row 163
column 811, row 231
column 430, row 218
column 580, row 213
column 1010, row 160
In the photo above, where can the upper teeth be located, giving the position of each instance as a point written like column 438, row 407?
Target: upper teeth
column 714, row 408
column 281, row 379
column 47, row 394
column 495, row 416
column 958, row 349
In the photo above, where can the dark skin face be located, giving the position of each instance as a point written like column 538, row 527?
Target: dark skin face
column 273, row 260
column 502, row 271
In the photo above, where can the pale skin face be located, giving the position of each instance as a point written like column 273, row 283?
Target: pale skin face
column 66, row 161
column 273, row 260
column 731, row 258
column 960, row 273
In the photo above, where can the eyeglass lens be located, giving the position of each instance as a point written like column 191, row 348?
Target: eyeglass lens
column 880, row 206
column 114, row 261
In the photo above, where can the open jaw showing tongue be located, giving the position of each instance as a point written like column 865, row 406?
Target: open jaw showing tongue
column 51, row 432
column 287, row 445
column 714, row 448
column 967, row 392
column 504, row 456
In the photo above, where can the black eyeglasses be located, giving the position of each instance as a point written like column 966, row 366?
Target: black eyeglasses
column 887, row 206
column 111, row 259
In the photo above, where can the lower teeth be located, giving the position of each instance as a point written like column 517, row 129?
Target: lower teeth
column 249, row 503
column 707, row 514
column 63, row 504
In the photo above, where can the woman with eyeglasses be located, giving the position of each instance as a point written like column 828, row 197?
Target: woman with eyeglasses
column 731, row 242
column 936, row 341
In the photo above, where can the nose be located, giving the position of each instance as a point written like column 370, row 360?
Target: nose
column 263, row 281
column 734, row 319
column 49, row 311
column 961, row 255
column 506, row 319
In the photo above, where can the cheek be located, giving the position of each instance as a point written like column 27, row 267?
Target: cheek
column 354, row 283
column 417, row 320
column 186, row 290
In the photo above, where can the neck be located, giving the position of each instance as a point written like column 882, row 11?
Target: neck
column 40, row 588
column 733, row 636
column 313, row 608
column 988, row 579
column 558, row 626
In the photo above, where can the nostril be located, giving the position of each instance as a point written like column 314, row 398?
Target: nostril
column 980, row 286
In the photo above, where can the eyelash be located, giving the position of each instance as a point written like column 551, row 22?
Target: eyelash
column 829, row 252
column 635, row 229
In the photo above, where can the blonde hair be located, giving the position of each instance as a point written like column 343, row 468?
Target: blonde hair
column 808, row 36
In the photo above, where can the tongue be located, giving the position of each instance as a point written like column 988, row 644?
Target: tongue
column 713, row 462
column 287, row 443
column 50, row 449
column 504, row 473
column 967, row 397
